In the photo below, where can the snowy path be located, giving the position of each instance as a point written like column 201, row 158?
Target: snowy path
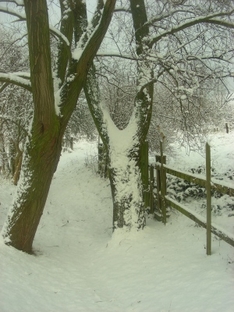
column 79, row 267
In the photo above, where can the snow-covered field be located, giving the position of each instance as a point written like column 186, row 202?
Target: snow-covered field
column 79, row 266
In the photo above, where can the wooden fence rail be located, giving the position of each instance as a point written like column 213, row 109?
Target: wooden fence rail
column 197, row 179
column 164, row 201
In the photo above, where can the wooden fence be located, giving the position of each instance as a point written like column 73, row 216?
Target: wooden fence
column 158, row 175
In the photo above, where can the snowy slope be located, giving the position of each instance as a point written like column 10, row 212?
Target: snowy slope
column 79, row 266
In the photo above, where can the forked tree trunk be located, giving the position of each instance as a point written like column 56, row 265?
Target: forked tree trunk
column 42, row 151
column 40, row 160
column 123, row 160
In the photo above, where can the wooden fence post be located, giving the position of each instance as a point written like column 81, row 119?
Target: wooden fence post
column 161, row 191
column 208, row 200
column 227, row 127
column 163, row 187
column 151, row 199
column 158, row 212
column 204, row 182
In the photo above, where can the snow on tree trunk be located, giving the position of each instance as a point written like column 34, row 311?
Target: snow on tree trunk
column 123, row 149
column 128, row 207
column 40, row 160
column 43, row 148
column 125, row 175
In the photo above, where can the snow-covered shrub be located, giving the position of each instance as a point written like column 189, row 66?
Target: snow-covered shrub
column 182, row 190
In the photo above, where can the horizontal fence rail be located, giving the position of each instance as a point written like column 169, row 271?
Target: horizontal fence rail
column 164, row 201
column 193, row 178
column 227, row 237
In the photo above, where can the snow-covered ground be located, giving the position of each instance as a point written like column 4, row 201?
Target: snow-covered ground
column 79, row 266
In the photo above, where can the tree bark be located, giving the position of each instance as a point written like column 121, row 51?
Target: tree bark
column 126, row 187
column 124, row 162
column 43, row 148
column 40, row 160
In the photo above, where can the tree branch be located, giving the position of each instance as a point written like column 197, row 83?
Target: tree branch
column 16, row 79
column 121, row 9
column 4, row 86
column 127, row 57
column 166, row 15
column 83, row 56
column 17, row 2
column 87, row 47
column 210, row 19
column 92, row 94
column 22, row 17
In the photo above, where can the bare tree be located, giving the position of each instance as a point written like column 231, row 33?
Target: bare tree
column 178, row 44
column 54, row 99
column 15, row 107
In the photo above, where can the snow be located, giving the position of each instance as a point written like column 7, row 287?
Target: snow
column 195, row 176
column 57, row 95
column 121, row 142
column 60, row 35
column 16, row 78
column 80, row 266
column 222, row 153
column 201, row 218
column 83, row 42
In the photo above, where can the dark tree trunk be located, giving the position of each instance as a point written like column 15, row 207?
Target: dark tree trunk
column 44, row 142
column 39, row 164
column 43, row 148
